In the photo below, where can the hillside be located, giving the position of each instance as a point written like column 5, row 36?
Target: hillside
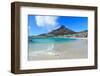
column 64, row 32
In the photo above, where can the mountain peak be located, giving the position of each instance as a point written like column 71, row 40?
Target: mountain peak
column 62, row 26
column 61, row 31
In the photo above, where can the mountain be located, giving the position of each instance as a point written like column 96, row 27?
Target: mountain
column 61, row 31
column 65, row 32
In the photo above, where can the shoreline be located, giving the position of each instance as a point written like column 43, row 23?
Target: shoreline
column 71, row 50
column 76, row 38
column 72, row 37
column 64, row 37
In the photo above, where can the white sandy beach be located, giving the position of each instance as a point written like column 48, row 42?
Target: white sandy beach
column 72, row 50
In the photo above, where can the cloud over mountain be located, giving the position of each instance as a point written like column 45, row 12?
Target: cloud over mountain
column 50, row 22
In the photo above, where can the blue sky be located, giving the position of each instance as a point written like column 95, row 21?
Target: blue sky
column 44, row 24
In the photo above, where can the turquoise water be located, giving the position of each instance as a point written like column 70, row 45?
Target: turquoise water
column 50, row 40
column 47, row 44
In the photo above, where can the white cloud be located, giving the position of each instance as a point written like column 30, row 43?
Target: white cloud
column 46, row 20
column 49, row 22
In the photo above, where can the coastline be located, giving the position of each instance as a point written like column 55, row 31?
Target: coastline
column 62, row 37
column 73, row 37
column 71, row 50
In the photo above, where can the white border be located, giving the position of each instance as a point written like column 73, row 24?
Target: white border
column 25, row 64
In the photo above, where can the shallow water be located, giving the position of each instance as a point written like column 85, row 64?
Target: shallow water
column 57, row 48
column 50, row 40
column 37, row 44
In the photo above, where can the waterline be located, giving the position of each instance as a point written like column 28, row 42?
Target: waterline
column 53, row 48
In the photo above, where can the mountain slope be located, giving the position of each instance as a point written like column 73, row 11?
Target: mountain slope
column 61, row 31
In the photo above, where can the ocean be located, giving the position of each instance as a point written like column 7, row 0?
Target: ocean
column 49, row 40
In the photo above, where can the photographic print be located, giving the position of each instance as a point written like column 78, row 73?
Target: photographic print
column 52, row 37
column 57, row 37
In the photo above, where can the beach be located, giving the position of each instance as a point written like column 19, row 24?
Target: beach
column 75, row 49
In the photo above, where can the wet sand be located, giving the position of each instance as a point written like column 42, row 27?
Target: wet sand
column 69, row 50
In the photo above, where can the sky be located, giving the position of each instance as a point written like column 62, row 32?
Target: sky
column 39, row 24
